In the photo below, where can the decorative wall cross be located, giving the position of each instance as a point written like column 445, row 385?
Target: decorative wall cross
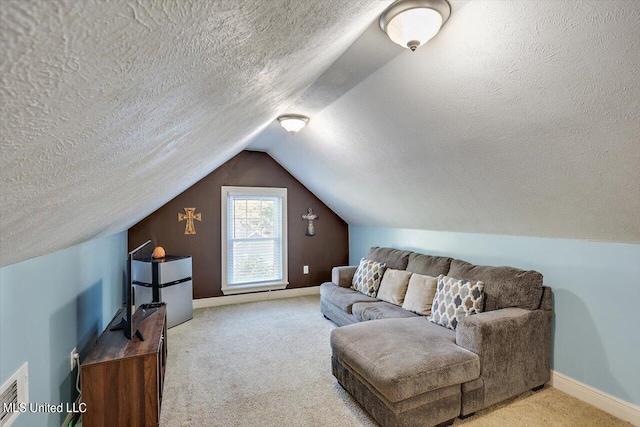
column 310, row 217
column 190, row 215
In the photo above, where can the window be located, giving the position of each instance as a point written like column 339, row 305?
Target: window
column 254, row 239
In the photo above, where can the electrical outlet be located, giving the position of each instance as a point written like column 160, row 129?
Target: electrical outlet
column 75, row 358
column 305, row 269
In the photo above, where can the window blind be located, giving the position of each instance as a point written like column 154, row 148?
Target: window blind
column 254, row 239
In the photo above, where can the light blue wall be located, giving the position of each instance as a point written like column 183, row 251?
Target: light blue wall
column 596, row 294
column 51, row 304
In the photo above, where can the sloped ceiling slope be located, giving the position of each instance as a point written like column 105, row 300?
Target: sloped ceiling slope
column 110, row 109
column 519, row 118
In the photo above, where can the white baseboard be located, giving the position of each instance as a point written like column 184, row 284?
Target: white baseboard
column 256, row 296
column 621, row 409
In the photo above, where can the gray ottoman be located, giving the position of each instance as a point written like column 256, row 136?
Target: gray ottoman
column 404, row 372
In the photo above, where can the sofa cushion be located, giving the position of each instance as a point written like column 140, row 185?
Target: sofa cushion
column 368, row 276
column 336, row 314
column 343, row 298
column 456, row 299
column 393, row 258
column 402, row 358
column 420, row 293
column 379, row 310
column 503, row 286
column 428, row 265
column 393, row 286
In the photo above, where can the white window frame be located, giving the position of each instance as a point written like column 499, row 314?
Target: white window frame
column 252, row 191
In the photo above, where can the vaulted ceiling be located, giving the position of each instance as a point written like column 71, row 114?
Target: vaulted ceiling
column 110, row 109
column 520, row 117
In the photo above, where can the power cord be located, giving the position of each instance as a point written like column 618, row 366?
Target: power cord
column 76, row 357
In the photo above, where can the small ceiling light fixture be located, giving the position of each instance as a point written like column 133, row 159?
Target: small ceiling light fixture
column 412, row 23
column 293, row 122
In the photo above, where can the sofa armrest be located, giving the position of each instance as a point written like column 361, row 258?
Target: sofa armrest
column 514, row 346
column 343, row 276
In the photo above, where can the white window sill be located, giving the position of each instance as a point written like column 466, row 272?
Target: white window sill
column 243, row 289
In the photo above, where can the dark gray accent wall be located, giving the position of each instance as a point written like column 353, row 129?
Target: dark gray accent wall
column 328, row 248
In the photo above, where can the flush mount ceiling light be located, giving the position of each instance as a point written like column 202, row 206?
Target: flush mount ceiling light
column 412, row 23
column 293, row 122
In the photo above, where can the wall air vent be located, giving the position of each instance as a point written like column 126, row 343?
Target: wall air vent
column 13, row 394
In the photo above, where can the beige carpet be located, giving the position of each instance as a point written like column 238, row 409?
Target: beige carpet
column 268, row 364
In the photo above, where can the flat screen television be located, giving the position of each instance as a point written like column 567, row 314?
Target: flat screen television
column 129, row 321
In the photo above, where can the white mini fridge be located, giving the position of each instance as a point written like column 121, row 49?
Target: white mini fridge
column 165, row 280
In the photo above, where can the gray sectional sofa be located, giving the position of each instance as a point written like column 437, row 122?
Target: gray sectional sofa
column 406, row 371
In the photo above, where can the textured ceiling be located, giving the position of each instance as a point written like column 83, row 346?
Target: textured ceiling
column 110, row 109
column 519, row 118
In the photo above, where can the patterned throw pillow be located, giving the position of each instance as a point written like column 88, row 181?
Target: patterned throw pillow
column 455, row 299
column 367, row 277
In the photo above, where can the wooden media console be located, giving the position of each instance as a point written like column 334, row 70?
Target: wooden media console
column 122, row 379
